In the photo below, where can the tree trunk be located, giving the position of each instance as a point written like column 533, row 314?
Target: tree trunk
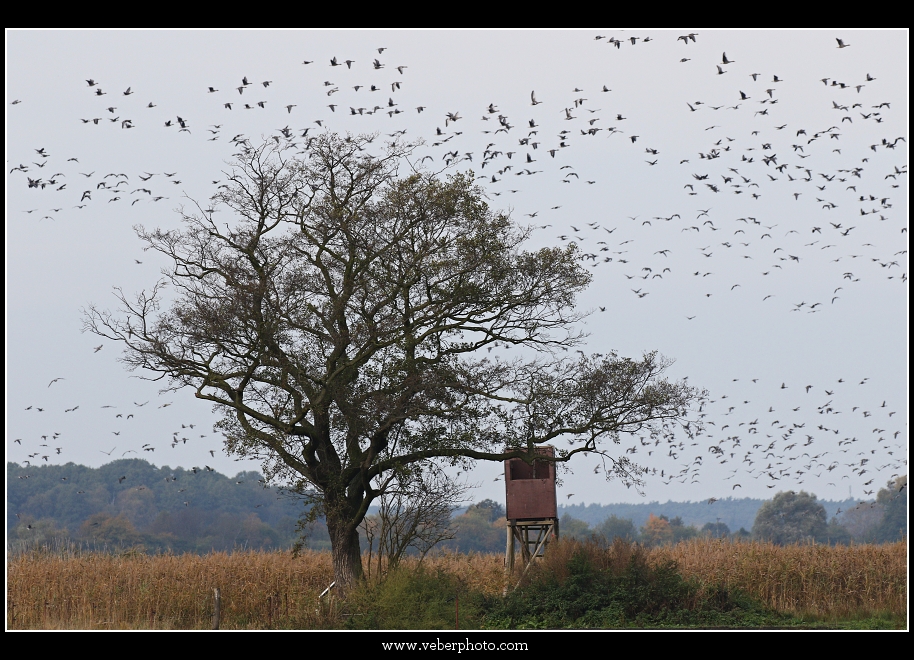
column 346, row 553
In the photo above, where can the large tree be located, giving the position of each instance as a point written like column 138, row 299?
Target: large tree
column 356, row 319
column 791, row 517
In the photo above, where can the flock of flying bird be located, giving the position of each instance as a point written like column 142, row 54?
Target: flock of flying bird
column 800, row 163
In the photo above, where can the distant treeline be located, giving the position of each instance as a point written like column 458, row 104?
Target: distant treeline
column 735, row 513
column 132, row 503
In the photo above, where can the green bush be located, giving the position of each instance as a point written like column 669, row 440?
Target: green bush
column 413, row 599
column 589, row 585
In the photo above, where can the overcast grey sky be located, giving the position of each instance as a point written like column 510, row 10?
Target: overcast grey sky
column 746, row 218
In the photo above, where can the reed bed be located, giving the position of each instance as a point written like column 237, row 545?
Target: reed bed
column 71, row 589
column 830, row 582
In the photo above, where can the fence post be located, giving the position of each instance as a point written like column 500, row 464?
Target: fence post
column 217, row 608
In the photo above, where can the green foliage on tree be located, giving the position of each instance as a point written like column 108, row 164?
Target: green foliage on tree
column 615, row 527
column 166, row 508
column 681, row 531
column 342, row 324
column 791, row 517
column 837, row 534
column 734, row 512
column 573, row 528
column 487, row 509
column 894, row 501
column 482, row 528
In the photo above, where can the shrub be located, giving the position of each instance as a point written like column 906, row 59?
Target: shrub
column 589, row 585
column 413, row 599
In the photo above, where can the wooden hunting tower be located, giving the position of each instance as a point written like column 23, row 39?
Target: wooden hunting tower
column 531, row 507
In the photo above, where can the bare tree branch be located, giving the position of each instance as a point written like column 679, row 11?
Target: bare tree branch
column 342, row 323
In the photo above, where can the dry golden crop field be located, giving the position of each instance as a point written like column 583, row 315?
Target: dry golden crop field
column 63, row 590
column 819, row 580
column 266, row 590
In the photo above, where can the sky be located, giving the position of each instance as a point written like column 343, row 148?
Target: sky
column 740, row 198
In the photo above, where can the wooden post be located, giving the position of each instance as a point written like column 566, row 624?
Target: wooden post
column 509, row 551
column 217, row 608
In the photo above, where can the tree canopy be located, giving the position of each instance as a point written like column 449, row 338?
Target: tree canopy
column 344, row 320
column 791, row 517
column 893, row 499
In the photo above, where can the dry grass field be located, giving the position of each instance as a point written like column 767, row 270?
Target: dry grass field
column 843, row 581
column 269, row 590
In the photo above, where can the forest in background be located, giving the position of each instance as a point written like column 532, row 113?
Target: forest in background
column 130, row 503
